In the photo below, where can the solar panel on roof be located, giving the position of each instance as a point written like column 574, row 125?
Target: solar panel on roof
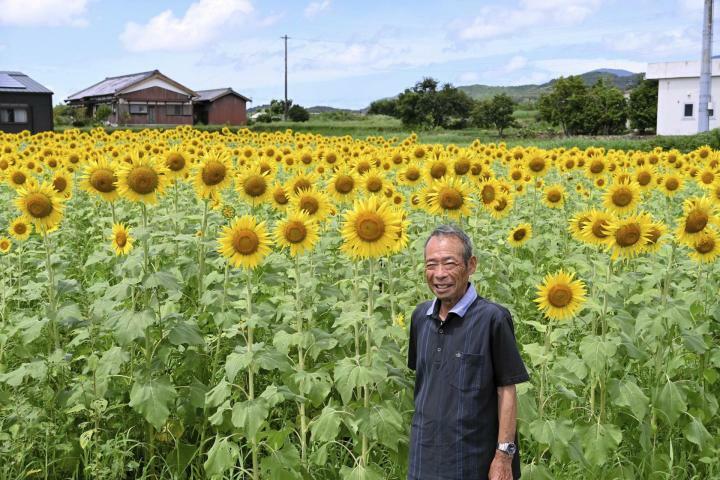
column 6, row 81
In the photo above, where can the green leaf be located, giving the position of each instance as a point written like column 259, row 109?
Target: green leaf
column 272, row 360
column 250, row 415
column 69, row 314
column 35, row 370
column 163, row 279
column 112, row 361
column 671, row 402
column 218, row 394
column 370, row 472
column 152, row 400
column 235, row 362
column 326, row 427
column 696, row 433
column 349, row 375
column 221, row 457
column 129, row 326
column 628, row 394
column 549, row 432
column 185, row 333
column 283, row 464
column 598, row 441
column 595, row 352
column 31, row 328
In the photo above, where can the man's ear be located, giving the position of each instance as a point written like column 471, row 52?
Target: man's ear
column 472, row 265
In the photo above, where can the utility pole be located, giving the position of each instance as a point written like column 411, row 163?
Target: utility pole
column 285, row 114
column 706, row 68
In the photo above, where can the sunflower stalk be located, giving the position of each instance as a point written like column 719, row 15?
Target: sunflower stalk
column 301, row 361
column 145, row 243
column 368, row 353
column 52, row 301
column 201, row 253
column 251, row 370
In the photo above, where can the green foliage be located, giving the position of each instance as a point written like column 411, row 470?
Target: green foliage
column 298, row 114
column 496, row 112
column 277, row 107
column 642, row 107
column 384, row 106
column 102, row 113
column 426, row 106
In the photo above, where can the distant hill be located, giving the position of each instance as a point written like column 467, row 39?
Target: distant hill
column 622, row 79
column 315, row 109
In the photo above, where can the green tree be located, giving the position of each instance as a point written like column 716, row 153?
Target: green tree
column 605, row 110
column 642, row 107
column 565, row 105
column 298, row 114
column 277, row 107
column 494, row 112
column 102, row 113
column 426, row 106
column 384, row 106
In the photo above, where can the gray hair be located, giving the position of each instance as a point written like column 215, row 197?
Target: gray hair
column 454, row 231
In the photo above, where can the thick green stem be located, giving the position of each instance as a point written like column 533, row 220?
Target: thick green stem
column 201, row 254
column 145, row 244
column 251, row 371
column 301, row 361
column 52, row 302
column 368, row 353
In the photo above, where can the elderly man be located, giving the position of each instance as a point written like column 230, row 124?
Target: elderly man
column 466, row 362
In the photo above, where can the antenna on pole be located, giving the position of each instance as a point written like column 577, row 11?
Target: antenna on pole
column 285, row 107
column 706, row 68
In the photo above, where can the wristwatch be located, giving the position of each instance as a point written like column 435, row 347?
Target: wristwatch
column 508, row 448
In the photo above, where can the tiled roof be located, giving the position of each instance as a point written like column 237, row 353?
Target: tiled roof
column 111, row 85
column 28, row 84
column 210, row 95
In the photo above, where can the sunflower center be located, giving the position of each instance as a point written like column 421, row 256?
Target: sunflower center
column 627, row 235
column 397, row 159
column 622, row 197
column 560, row 296
column 309, row 204
column 672, row 184
column 20, row 228
column 374, row 184
column 306, row 158
column 519, row 234
column 331, row 158
column 18, row 178
column 419, row 152
column 707, row 178
column 438, row 170
column 598, row 228
column 597, row 166
column 103, row 180
column 280, row 197
column 295, row 232
column 696, row 221
column 121, row 239
column 370, row 227
column 516, row 175
column 487, row 194
column 501, row 204
column 654, row 235
column 462, row 166
column 213, row 173
column 302, row 184
column 412, row 174
column 644, row 178
column 175, row 162
column 554, row 196
column 705, row 245
column 363, row 167
column 60, row 184
column 143, row 180
column 450, row 199
column 255, row 186
column 39, row 205
column 245, row 242
column 537, row 164
column 344, row 184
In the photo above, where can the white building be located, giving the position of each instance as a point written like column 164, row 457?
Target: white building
column 679, row 94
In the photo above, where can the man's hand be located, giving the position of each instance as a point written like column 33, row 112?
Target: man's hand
column 501, row 467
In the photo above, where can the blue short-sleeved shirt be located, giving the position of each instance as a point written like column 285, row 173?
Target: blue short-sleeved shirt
column 459, row 363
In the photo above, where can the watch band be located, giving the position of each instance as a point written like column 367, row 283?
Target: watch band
column 508, row 448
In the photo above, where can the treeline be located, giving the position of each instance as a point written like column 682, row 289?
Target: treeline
column 578, row 109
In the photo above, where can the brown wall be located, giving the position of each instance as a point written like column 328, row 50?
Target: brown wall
column 155, row 94
column 228, row 109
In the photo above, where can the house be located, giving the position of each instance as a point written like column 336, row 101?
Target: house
column 679, row 95
column 220, row 106
column 151, row 98
column 144, row 98
column 24, row 104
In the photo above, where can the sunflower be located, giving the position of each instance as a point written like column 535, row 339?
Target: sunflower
column 707, row 177
column 142, row 180
column 706, row 247
column 594, row 231
column 698, row 213
column 297, row 231
column 177, row 162
column 100, row 178
column 301, row 181
column 213, row 174
column 313, row 202
column 628, row 236
column 20, row 228
column 436, row 168
column 122, row 242
column 520, row 235
column 410, row 175
column 373, row 182
column 671, row 184
column 370, row 229
column 278, row 194
column 645, row 176
column 62, row 182
column 538, row 164
column 577, row 224
column 488, row 190
column 253, row 185
column 342, row 185
column 656, row 231
column 450, row 196
column 40, row 205
column 622, row 197
column 5, row 245
column 596, row 167
column 554, row 196
column 502, row 206
column 17, row 176
column 560, row 297
column 245, row 243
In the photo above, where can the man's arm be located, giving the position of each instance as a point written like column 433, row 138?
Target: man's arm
column 501, row 466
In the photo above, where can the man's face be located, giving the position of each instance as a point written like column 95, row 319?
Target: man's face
column 445, row 270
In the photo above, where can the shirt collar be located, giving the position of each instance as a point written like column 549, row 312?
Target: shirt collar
column 460, row 307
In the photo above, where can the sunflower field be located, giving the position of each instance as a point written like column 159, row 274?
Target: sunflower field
column 184, row 304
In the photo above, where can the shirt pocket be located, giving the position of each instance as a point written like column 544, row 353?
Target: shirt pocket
column 468, row 371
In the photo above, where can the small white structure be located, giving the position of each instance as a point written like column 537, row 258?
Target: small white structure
column 678, row 96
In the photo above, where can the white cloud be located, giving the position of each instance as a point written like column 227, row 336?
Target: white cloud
column 516, row 63
column 494, row 21
column 467, row 78
column 202, row 22
column 576, row 66
column 314, row 8
column 659, row 43
column 43, row 13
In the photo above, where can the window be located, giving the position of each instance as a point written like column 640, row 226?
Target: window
column 138, row 108
column 13, row 114
column 688, row 109
column 174, row 109
column 711, row 112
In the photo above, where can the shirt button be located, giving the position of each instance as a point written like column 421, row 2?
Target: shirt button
column 442, row 331
column 439, row 349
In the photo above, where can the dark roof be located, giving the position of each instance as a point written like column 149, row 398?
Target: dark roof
column 111, row 85
column 27, row 84
column 214, row 94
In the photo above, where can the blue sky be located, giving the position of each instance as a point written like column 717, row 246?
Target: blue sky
column 340, row 53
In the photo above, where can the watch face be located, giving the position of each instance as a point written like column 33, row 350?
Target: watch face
column 511, row 449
